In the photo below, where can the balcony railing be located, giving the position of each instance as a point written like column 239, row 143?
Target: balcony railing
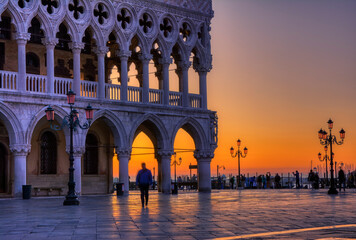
column 8, row 80
column 89, row 89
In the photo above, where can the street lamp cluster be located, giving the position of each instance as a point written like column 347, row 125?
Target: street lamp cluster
column 239, row 155
column 71, row 121
column 328, row 140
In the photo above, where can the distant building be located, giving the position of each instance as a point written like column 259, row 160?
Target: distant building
column 50, row 47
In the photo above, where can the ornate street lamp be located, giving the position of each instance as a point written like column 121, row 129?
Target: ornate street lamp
column 326, row 159
column 238, row 154
column 328, row 140
column 175, row 163
column 71, row 121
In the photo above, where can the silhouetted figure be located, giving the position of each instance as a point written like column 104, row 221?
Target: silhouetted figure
column 296, row 174
column 316, row 181
column 268, row 179
column 259, row 181
column 277, row 181
column 311, row 177
column 144, row 180
column 342, row 179
column 232, row 182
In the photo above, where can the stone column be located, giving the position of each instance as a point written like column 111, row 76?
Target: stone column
column 204, row 171
column 203, row 89
column 159, row 174
column 124, row 57
column 50, row 43
column 101, row 53
column 20, row 153
column 165, row 62
column 145, row 60
column 78, row 154
column 165, row 157
column 76, row 50
column 21, row 39
column 183, row 67
column 124, row 157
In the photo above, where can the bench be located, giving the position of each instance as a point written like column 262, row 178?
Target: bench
column 48, row 189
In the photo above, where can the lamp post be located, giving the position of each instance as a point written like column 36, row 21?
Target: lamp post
column 239, row 155
column 71, row 121
column 217, row 169
column 330, row 139
column 175, row 163
column 326, row 159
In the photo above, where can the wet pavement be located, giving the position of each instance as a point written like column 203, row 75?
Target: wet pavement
column 227, row 214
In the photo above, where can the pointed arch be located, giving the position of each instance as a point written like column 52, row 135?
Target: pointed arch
column 12, row 124
column 96, row 34
column 195, row 130
column 71, row 29
column 45, row 26
column 153, row 127
column 16, row 18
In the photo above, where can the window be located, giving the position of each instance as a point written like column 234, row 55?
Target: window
column 36, row 32
column 87, row 42
column 91, row 156
column 5, row 28
column 48, row 153
column 32, row 63
column 63, row 38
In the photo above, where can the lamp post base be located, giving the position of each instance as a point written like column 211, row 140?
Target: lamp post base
column 332, row 190
column 71, row 200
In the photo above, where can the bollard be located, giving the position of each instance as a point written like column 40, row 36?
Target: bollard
column 26, row 191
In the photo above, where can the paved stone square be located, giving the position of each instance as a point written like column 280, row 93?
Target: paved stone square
column 226, row 214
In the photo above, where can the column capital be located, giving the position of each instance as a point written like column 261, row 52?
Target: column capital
column 165, row 60
column 22, row 37
column 101, row 50
column 204, row 155
column 165, row 153
column 20, row 149
column 123, row 152
column 145, row 58
column 76, row 46
column 78, row 151
column 203, row 69
column 184, row 65
column 123, row 54
column 49, row 42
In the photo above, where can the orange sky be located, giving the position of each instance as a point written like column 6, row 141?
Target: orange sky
column 281, row 69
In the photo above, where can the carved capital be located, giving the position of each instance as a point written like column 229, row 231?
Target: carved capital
column 204, row 155
column 123, row 153
column 23, row 37
column 20, row 149
column 165, row 153
column 145, row 58
column 76, row 46
column 78, row 151
column 123, row 55
column 165, row 61
column 184, row 65
column 50, row 42
column 101, row 50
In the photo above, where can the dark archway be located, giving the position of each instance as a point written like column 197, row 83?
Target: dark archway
column 3, row 168
column 48, row 153
column 91, row 156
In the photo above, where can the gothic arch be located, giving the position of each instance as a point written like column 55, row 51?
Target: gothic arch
column 45, row 26
column 153, row 127
column 115, row 124
column 71, row 29
column 195, row 130
column 12, row 124
column 96, row 34
column 16, row 19
column 59, row 112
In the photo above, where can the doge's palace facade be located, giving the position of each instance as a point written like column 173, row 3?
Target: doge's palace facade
column 48, row 47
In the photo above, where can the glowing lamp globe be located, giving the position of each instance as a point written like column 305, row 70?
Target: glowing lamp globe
column 245, row 150
column 320, row 134
column 239, row 143
column 89, row 112
column 325, row 148
column 325, row 135
column 50, row 113
column 71, row 97
column 231, row 150
column 330, row 124
column 342, row 134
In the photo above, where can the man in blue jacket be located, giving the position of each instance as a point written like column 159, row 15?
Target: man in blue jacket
column 143, row 181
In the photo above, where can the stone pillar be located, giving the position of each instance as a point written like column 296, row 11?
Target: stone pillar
column 165, row 62
column 101, row 53
column 124, row 57
column 145, row 60
column 21, row 39
column 76, row 50
column 124, row 157
column 204, row 171
column 50, row 43
column 20, row 153
column 183, row 67
column 203, row 89
column 78, row 153
column 165, row 167
column 159, row 174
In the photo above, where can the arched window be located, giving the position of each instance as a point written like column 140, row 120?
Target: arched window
column 91, row 156
column 5, row 28
column 32, row 63
column 36, row 31
column 63, row 38
column 48, row 153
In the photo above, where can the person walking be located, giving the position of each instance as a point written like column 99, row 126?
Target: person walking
column 143, row 181
column 311, row 177
column 277, row 181
column 342, row 179
column 232, row 182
